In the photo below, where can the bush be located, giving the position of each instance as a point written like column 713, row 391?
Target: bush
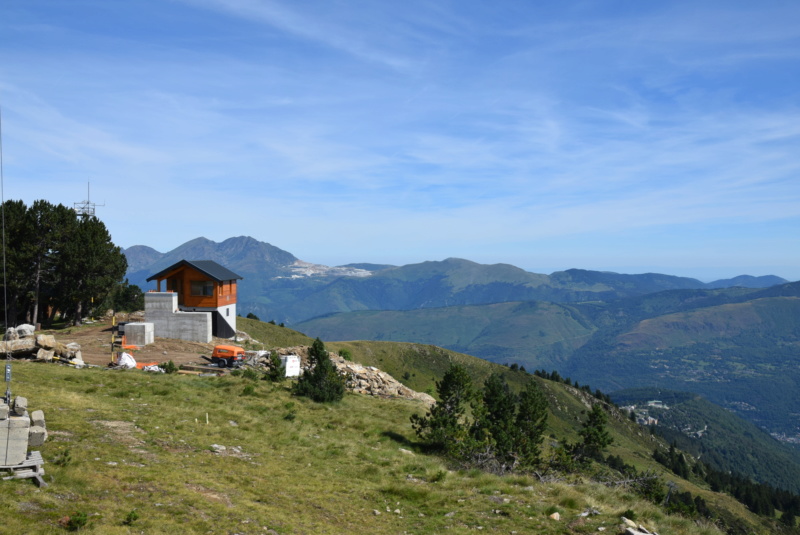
column 75, row 522
column 130, row 518
column 168, row 367
column 323, row 383
column 252, row 316
column 277, row 371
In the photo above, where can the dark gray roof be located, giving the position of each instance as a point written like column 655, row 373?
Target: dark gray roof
column 209, row 267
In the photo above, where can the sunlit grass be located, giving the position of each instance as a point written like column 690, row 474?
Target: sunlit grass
column 124, row 441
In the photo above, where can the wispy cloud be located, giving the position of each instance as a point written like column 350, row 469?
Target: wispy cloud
column 453, row 128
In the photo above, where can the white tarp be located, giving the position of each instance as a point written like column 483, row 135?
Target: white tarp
column 126, row 360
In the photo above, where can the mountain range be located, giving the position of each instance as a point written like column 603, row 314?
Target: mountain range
column 735, row 341
column 279, row 286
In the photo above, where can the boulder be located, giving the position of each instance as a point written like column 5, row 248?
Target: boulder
column 26, row 330
column 45, row 341
column 45, row 355
column 18, row 347
column 11, row 334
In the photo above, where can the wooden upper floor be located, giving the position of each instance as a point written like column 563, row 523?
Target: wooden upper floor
column 199, row 283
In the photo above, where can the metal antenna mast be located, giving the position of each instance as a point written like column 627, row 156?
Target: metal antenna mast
column 87, row 207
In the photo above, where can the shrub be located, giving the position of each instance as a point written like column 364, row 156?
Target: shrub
column 168, row 367
column 62, row 458
column 323, row 383
column 277, row 371
column 75, row 522
column 346, row 354
column 130, row 518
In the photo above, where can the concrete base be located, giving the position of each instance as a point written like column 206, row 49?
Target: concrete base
column 161, row 309
column 139, row 334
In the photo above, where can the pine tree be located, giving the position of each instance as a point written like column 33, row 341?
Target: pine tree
column 594, row 433
column 443, row 427
column 531, row 422
column 494, row 428
column 323, row 383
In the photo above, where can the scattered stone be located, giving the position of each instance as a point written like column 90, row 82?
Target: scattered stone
column 45, row 355
column 376, row 512
column 555, row 516
column 45, row 341
column 406, row 452
column 628, row 523
column 26, row 330
column 450, row 514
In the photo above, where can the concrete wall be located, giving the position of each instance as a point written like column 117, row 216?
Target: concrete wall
column 227, row 314
column 139, row 334
column 161, row 309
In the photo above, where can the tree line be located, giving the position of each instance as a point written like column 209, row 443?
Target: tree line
column 59, row 264
column 760, row 498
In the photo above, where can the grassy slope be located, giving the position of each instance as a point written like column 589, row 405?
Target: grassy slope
column 535, row 334
column 140, row 442
column 270, row 335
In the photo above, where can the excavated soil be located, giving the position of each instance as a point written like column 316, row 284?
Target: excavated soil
column 95, row 341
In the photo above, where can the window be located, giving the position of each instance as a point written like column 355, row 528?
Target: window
column 227, row 311
column 202, row 288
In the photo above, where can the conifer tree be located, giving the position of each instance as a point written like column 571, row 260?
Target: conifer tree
column 530, row 423
column 594, row 433
column 494, row 427
column 443, row 427
column 323, row 383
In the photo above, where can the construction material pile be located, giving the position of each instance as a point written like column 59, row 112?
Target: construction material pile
column 23, row 342
column 18, row 431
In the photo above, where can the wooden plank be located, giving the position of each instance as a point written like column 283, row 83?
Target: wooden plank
column 204, row 369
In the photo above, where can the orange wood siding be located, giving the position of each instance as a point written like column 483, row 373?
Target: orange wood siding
column 223, row 293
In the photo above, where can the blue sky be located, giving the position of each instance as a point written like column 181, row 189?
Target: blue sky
column 620, row 136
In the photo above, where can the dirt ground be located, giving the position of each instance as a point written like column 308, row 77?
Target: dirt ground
column 95, row 341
